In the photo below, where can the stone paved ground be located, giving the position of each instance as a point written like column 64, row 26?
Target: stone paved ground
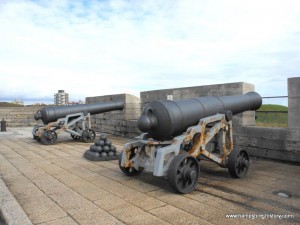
column 55, row 185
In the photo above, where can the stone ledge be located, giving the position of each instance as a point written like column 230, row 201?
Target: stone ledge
column 10, row 209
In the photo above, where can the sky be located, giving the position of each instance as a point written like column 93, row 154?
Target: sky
column 94, row 48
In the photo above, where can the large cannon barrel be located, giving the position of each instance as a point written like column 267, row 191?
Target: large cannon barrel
column 163, row 120
column 52, row 113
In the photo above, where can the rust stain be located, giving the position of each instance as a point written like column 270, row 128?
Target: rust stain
column 195, row 151
column 128, row 150
column 205, row 136
column 39, row 133
column 190, row 135
column 153, row 142
column 223, row 157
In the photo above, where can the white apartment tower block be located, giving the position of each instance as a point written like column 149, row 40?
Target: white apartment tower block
column 61, row 98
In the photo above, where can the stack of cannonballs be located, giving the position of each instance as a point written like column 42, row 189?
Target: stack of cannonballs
column 101, row 150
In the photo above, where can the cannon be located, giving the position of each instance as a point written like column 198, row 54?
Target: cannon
column 73, row 119
column 179, row 134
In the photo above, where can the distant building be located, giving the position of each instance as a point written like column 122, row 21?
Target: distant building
column 61, row 98
column 75, row 103
column 18, row 102
column 39, row 104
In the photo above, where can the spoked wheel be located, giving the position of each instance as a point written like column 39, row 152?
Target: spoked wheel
column 238, row 163
column 49, row 137
column 183, row 173
column 129, row 171
column 37, row 138
column 88, row 135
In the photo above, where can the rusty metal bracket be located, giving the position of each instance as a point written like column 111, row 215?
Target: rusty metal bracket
column 204, row 134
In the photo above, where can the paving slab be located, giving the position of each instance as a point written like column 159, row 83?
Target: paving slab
column 10, row 211
column 62, row 221
column 55, row 185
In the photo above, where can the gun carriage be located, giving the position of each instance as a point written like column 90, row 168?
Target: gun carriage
column 73, row 119
column 179, row 134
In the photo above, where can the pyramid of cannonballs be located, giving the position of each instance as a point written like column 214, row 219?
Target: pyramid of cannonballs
column 102, row 149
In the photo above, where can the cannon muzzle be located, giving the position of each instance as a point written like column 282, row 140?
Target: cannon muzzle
column 163, row 120
column 52, row 113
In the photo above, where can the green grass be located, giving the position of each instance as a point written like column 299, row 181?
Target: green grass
column 272, row 119
column 7, row 104
column 270, row 107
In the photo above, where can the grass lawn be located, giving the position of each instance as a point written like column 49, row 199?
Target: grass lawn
column 278, row 117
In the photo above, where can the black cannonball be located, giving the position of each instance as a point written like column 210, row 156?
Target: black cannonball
column 106, row 148
column 100, row 143
column 93, row 148
column 108, row 142
column 103, row 137
column 94, row 154
column 116, row 153
column 97, row 143
column 113, row 148
column 103, row 154
column 110, row 153
column 98, row 149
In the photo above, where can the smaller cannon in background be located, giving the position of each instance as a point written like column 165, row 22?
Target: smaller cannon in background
column 178, row 134
column 73, row 119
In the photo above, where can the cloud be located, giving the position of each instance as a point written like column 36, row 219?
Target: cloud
column 91, row 48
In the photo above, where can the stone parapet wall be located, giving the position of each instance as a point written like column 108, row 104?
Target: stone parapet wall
column 294, row 102
column 19, row 116
column 271, row 143
column 119, row 123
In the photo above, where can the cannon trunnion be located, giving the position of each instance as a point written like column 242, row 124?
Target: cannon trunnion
column 178, row 134
column 73, row 119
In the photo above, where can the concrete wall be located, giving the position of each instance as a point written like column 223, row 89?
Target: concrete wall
column 19, row 116
column 276, row 143
column 294, row 102
column 119, row 123
column 246, row 118
column 272, row 143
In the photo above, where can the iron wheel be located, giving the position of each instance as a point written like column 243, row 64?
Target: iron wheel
column 37, row 138
column 49, row 137
column 238, row 163
column 129, row 171
column 88, row 135
column 183, row 173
